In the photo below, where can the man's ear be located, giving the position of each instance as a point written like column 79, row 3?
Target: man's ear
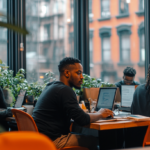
column 67, row 73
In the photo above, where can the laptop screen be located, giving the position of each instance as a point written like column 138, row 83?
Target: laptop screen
column 127, row 92
column 20, row 99
column 106, row 98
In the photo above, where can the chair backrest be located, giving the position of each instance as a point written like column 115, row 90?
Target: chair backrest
column 24, row 121
column 146, row 140
column 25, row 140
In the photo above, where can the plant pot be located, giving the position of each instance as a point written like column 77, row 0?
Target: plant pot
column 90, row 93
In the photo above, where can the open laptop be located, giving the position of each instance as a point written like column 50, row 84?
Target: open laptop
column 19, row 101
column 106, row 98
column 127, row 92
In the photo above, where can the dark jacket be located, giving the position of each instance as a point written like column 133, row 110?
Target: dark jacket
column 141, row 101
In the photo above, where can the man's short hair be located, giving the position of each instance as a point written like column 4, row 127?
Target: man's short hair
column 129, row 72
column 67, row 61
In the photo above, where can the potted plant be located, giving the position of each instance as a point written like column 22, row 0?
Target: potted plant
column 35, row 89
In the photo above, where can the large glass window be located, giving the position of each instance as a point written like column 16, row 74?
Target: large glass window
column 118, row 40
column 51, row 36
column 3, row 32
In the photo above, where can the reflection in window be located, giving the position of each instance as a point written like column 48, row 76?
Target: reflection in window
column 125, row 47
column 3, row 32
column 54, row 41
column 105, row 8
column 123, row 7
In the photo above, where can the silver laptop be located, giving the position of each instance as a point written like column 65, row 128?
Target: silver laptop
column 106, row 98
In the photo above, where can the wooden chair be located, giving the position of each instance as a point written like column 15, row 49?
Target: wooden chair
column 146, row 140
column 25, row 140
column 25, row 122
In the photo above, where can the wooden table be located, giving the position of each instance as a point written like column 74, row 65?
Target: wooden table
column 113, row 134
column 117, row 125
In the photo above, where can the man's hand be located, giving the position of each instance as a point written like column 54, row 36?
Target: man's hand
column 104, row 113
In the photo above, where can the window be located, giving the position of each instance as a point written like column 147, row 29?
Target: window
column 105, row 33
column 123, row 7
column 105, row 8
column 117, row 43
column 141, row 5
column 106, row 54
column 52, row 41
column 3, row 32
column 90, row 11
column 124, row 47
column 124, row 31
column 46, row 31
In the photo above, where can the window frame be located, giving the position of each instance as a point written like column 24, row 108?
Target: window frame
column 121, row 29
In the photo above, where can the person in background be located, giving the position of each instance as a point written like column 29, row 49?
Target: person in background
column 3, row 111
column 141, row 98
column 57, row 105
column 128, row 78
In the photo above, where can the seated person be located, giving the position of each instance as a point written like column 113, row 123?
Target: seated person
column 141, row 98
column 57, row 105
column 3, row 113
column 128, row 78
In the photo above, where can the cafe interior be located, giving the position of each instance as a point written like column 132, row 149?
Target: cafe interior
column 108, row 40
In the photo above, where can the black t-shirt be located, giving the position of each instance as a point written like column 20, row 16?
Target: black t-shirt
column 118, row 84
column 56, row 106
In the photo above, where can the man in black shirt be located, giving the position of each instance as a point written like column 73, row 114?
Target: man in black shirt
column 57, row 105
column 128, row 78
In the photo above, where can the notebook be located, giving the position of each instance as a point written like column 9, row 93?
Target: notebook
column 106, row 98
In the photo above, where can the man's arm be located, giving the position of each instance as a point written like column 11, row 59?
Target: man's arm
column 102, row 113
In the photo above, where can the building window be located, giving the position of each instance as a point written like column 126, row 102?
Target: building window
column 142, row 44
column 124, row 31
column 141, row 5
column 90, row 11
column 105, row 8
column 106, row 53
column 105, row 33
column 124, row 47
column 123, row 7
column 46, row 31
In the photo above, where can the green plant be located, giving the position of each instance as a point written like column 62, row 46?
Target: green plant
column 107, row 84
column 13, row 27
column 88, row 82
column 35, row 89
